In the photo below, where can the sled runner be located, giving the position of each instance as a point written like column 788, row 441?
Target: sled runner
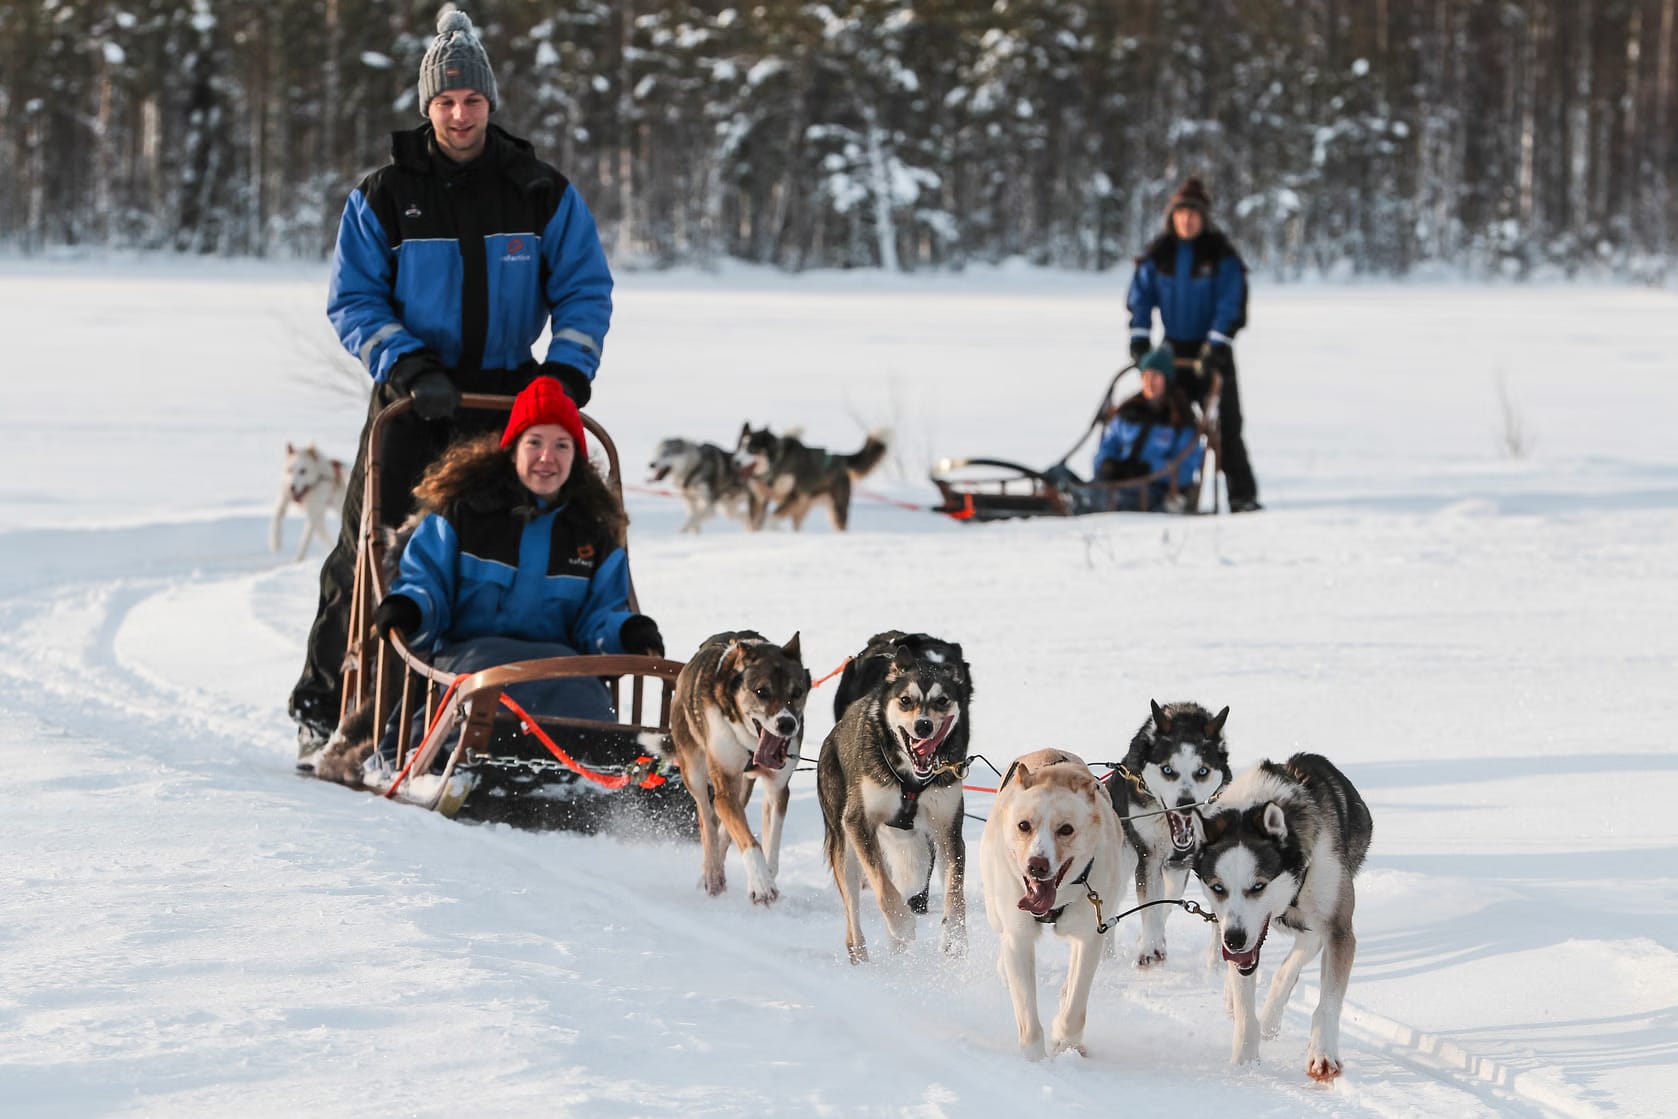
column 507, row 765
column 993, row 489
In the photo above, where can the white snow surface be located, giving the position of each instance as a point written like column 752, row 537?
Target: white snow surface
column 1486, row 644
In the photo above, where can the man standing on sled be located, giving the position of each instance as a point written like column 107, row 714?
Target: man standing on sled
column 1193, row 276
column 451, row 260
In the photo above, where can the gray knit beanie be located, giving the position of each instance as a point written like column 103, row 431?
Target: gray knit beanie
column 455, row 60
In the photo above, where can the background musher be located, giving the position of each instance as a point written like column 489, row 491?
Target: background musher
column 462, row 210
column 1196, row 280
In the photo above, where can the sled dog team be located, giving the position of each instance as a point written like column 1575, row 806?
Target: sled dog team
column 766, row 475
column 1276, row 845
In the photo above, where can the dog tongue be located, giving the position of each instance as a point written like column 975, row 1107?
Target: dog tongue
column 924, row 750
column 1039, row 896
column 1246, row 961
column 1182, row 835
column 771, row 752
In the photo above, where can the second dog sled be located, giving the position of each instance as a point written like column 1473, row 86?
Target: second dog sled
column 993, row 489
column 507, row 765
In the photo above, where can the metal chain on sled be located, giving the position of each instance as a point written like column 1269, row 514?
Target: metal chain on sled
column 513, row 768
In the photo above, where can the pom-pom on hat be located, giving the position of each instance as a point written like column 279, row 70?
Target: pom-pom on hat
column 1160, row 359
column 1191, row 195
column 543, row 401
column 455, row 60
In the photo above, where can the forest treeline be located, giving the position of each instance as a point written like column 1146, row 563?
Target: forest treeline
column 1340, row 136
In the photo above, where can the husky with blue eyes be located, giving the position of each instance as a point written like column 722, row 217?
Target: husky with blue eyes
column 1280, row 847
column 1178, row 759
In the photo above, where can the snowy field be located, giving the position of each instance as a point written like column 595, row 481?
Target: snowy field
column 1484, row 641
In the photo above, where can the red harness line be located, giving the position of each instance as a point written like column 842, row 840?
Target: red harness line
column 610, row 781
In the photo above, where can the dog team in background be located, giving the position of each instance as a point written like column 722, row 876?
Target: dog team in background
column 1277, row 845
column 765, row 476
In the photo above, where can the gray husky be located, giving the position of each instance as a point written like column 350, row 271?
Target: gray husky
column 1282, row 844
column 1177, row 760
column 706, row 478
column 889, row 781
column 781, row 470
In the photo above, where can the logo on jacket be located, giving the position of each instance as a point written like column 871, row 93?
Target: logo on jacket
column 583, row 556
column 413, row 210
column 515, row 251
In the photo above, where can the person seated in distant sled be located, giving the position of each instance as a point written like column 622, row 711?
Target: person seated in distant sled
column 1149, row 430
column 518, row 555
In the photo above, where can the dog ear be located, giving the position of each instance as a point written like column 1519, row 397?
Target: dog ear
column 1274, row 821
column 1021, row 774
column 290, row 449
column 1216, row 726
column 1212, row 828
column 1160, row 720
column 791, row 649
column 902, row 663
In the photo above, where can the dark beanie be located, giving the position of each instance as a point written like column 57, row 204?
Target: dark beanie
column 1161, row 359
column 1192, row 194
column 455, row 60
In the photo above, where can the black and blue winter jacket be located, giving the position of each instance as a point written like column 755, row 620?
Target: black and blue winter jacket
column 469, row 261
column 1198, row 286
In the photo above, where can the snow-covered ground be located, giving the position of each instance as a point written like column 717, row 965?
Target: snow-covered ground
column 1486, row 643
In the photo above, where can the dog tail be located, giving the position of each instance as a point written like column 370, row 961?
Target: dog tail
column 873, row 452
column 657, row 744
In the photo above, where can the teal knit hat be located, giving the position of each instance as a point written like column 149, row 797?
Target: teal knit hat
column 1161, row 359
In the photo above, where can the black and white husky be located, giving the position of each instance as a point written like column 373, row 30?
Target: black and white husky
column 889, row 781
column 1177, row 759
column 706, row 478
column 1281, row 845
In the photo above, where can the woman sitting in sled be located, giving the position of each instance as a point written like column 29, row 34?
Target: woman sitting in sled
column 1146, row 433
column 516, row 553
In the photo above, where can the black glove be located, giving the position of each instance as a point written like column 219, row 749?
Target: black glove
column 1138, row 347
column 1216, row 356
column 397, row 612
column 576, row 383
column 640, row 636
column 422, row 376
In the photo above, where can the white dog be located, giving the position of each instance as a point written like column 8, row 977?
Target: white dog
column 313, row 483
column 1050, row 849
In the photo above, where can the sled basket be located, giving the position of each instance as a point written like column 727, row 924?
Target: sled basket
column 507, row 765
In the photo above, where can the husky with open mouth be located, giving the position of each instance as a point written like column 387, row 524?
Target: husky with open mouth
column 1051, row 854
column 1280, row 847
column 889, row 780
column 738, row 716
column 1177, row 759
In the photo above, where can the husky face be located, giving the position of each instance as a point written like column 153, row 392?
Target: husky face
column 764, row 687
column 921, row 704
column 1051, row 828
column 670, row 455
column 1252, row 866
column 306, row 469
column 755, row 450
column 1184, row 761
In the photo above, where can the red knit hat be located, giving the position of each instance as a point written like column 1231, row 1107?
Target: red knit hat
column 543, row 401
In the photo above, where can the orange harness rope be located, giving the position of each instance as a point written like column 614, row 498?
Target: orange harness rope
column 610, row 781
column 831, row 675
column 420, row 749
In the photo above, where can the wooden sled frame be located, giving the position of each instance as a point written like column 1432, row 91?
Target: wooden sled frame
column 1024, row 492
column 390, row 674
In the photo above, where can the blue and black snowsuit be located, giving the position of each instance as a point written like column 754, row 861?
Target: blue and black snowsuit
column 1199, row 288
column 1143, row 437
column 497, row 579
column 472, row 261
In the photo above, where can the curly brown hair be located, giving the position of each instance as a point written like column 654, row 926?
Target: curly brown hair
column 476, row 468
